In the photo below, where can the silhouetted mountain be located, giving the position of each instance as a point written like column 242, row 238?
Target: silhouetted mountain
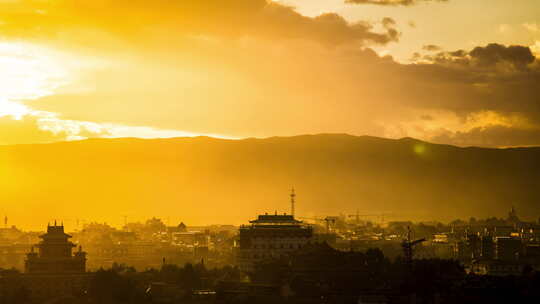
column 208, row 180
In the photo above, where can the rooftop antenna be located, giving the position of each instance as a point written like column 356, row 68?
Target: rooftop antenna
column 293, row 196
column 5, row 221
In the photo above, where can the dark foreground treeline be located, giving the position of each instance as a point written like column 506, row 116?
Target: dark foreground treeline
column 122, row 284
column 347, row 277
column 319, row 276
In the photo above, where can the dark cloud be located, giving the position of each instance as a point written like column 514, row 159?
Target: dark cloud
column 426, row 117
column 493, row 77
column 514, row 56
column 391, row 2
column 458, row 53
column 492, row 136
column 416, row 57
column 431, row 48
column 492, row 54
column 388, row 22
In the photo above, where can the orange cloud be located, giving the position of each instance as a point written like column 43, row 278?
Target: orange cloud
column 152, row 23
column 253, row 68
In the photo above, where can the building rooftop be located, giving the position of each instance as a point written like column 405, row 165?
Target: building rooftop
column 276, row 219
column 55, row 232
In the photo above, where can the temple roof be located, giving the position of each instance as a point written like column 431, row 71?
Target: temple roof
column 55, row 231
column 276, row 219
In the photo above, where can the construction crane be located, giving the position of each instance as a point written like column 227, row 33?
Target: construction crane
column 408, row 246
column 77, row 221
column 293, row 201
column 314, row 219
column 328, row 220
column 357, row 215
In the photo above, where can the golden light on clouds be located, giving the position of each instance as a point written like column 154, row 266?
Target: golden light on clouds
column 30, row 72
column 13, row 109
column 257, row 68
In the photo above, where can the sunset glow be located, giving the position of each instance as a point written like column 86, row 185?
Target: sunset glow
column 78, row 65
column 254, row 69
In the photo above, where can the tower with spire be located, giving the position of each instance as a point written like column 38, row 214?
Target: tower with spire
column 54, row 254
column 293, row 201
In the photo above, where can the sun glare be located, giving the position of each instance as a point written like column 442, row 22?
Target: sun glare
column 14, row 109
column 28, row 72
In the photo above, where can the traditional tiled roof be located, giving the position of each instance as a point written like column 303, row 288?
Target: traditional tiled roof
column 276, row 219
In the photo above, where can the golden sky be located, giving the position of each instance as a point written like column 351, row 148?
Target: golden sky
column 457, row 71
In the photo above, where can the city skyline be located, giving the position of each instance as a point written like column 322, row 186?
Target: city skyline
column 381, row 219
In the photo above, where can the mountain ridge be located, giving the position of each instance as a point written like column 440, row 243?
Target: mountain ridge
column 205, row 137
column 205, row 180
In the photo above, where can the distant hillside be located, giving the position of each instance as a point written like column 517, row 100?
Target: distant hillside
column 206, row 180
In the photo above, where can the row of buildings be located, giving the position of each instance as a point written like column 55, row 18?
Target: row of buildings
column 483, row 249
column 56, row 265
